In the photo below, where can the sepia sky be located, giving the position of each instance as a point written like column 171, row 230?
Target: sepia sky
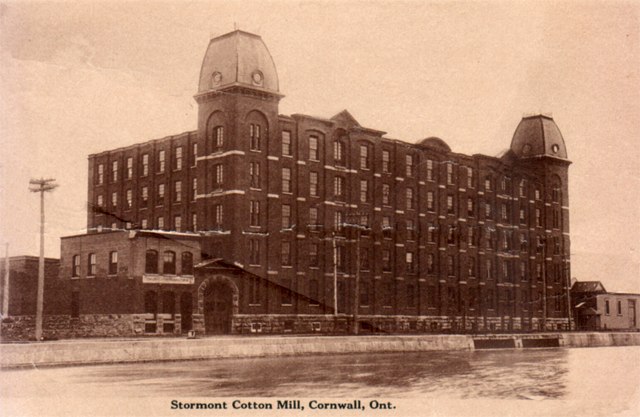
column 79, row 78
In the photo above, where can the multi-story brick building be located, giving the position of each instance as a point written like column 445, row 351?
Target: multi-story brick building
column 311, row 216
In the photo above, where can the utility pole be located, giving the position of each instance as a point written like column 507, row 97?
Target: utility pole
column 335, row 276
column 41, row 186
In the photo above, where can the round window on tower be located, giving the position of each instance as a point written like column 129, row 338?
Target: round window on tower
column 216, row 78
column 257, row 78
column 555, row 148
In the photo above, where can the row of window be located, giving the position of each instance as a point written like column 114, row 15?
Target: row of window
column 151, row 263
column 143, row 167
column 144, row 195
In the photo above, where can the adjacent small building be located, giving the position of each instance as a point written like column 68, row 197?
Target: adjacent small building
column 596, row 309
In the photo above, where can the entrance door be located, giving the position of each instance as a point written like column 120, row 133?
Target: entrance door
column 217, row 309
column 186, row 310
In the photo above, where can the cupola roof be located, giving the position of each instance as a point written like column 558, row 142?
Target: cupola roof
column 538, row 136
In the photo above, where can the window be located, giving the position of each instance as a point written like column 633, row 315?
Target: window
column 386, row 227
column 364, row 259
column 338, row 221
column 411, row 230
column 488, row 183
column 160, row 223
column 537, row 192
column 504, row 212
column 194, row 222
column 410, row 199
column 314, row 298
column 450, row 206
column 364, row 191
column 286, row 253
column 338, row 153
column 194, row 154
column 489, row 268
column 313, row 148
column 409, row 262
column 606, row 307
column 145, row 196
column 506, row 271
column 364, row 157
column 385, row 194
column 471, row 261
column 129, row 168
column 523, row 215
column 487, row 210
column 555, row 192
column 160, row 198
column 313, row 254
column 340, row 257
column 386, row 260
column 556, row 219
column 386, row 157
column 313, row 184
column 470, row 207
column 177, row 161
column 449, row 174
column 100, row 201
column 114, row 199
column 431, row 267
column 522, row 188
column 430, row 202
column 285, row 294
column 91, row 263
column 286, row 216
column 177, row 223
column 450, row 266
column 286, row 143
column 431, row 233
column 254, row 174
column 409, row 165
column 75, row 266
column 286, row 180
column 538, row 218
column 523, row 271
column 129, row 201
column 539, row 272
column 145, row 165
column 219, row 168
column 194, row 189
column 114, row 171
column 619, row 304
column 430, row 170
column 506, row 184
column 471, row 236
column 254, row 252
column 470, row 177
column 451, row 235
column 177, row 191
column 100, row 179
column 411, row 296
column 313, row 216
column 186, row 263
column 169, row 263
column 254, row 290
column 338, row 186
column 75, row 304
column 254, row 137
column 254, row 213
column 161, row 161
column 143, row 224
column 218, row 215
column 218, row 137
column 113, row 263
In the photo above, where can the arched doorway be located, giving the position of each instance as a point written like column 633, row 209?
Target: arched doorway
column 218, row 303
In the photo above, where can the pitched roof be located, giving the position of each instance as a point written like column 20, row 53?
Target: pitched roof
column 588, row 286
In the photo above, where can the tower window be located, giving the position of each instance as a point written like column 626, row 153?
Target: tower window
column 218, row 138
column 254, row 174
column 364, row 157
column 254, row 137
column 313, row 184
column 338, row 152
column 313, row 148
column 254, row 213
column 286, row 180
column 286, row 216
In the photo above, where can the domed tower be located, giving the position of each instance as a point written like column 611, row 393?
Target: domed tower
column 237, row 98
column 539, row 154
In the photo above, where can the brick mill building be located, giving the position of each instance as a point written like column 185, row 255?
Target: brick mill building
column 261, row 222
